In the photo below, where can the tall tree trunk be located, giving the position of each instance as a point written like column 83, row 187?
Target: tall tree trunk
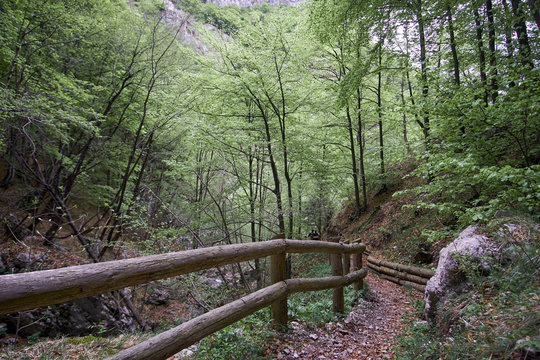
column 275, row 175
column 281, row 114
column 423, row 74
column 535, row 10
column 300, row 210
column 481, row 54
column 273, row 166
column 288, row 180
column 492, row 53
column 405, row 139
column 409, row 85
column 520, row 28
column 360, row 142
column 508, row 31
column 453, row 47
column 353, row 163
column 379, row 114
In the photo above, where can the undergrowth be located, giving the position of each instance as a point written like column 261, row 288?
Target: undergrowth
column 82, row 348
column 497, row 318
column 315, row 307
column 248, row 338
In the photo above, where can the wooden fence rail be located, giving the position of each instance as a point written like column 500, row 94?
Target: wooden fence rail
column 413, row 276
column 41, row 288
column 172, row 341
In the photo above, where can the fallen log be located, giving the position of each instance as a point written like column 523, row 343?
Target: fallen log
column 401, row 275
column 426, row 273
column 397, row 281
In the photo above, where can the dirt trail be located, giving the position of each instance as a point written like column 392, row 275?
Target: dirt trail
column 368, row 332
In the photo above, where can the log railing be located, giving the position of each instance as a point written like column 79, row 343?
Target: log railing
column 41, row 288
column 413, row 276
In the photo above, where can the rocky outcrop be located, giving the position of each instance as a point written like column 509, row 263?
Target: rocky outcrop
column 14, row 227
column 103, row 314
column 97, row 314
column 159, row 297
column 248, row 3
column 471, row 250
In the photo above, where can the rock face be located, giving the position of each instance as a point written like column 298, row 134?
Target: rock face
column 470, row 249
column 13, row 227
column 97, row 314
column 159, row 297
column 248, row 3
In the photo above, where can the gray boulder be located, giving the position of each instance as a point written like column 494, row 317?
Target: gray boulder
column 27, row 262
column 96, row 314
column 470, row 250
column 159, row 297
column 3, row 263
column 13, row 227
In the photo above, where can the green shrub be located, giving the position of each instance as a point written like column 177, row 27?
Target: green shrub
column 245, row 339
column 488, row 320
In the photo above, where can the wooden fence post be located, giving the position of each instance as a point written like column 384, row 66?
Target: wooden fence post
column 357, row 265
column 279, row 307
column 346, row 263
column 338, row 300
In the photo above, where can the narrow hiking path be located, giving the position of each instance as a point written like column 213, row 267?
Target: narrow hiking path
column 369, row 332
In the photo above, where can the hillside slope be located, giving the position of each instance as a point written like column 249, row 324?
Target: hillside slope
column 392, row 226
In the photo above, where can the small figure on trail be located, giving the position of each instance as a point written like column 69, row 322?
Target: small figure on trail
column 314, row 235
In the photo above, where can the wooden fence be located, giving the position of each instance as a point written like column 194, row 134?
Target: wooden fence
column 41, row 288
column 413, row 276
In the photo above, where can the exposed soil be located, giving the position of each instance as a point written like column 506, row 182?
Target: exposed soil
column 369, row 332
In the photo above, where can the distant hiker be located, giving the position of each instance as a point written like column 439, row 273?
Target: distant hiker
column 314, row 235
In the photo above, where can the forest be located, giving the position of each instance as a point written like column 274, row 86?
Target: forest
column 144, row 127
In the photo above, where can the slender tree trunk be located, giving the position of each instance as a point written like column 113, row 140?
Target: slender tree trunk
column 361, row 147
column 254, row 188
column 405, row 139
column 492, row 52
column 281, row 114
column 300, row 210
column 508, row 31
column 353, row 163
column 275, row 174
column 520, row 28
column 535, row 10
column 453, row 48
column 481, row 54
column 288, row 180
column 379, row 114
column 423, row 73
column 262, row 198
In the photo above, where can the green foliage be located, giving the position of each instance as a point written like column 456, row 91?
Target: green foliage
column 432, row 236
column 315, row 307
column 246, row 339
column 151, row 6
column 473, row 192
column 34, row 338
